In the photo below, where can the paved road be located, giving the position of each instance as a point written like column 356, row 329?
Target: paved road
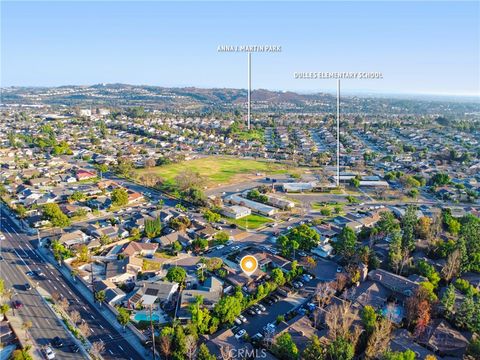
column 45, row 324
column 116, row 347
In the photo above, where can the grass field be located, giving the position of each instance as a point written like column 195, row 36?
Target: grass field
column 219, row 169
column 253, row 221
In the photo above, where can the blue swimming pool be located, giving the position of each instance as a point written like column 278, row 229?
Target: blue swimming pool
column 393, row 312
column 142, row 316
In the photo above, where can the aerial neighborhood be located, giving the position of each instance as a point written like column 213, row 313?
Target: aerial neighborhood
column 147, row 217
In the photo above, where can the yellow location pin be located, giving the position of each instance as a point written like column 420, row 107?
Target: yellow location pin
column 249, row 264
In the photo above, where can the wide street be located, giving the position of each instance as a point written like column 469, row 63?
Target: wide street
column 20, row 257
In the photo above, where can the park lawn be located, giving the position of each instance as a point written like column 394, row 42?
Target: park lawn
column 219, row 169
column 253, row 221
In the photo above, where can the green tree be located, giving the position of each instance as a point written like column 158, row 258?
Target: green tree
column 176, row 274
column 211, row 216
column 406, row 355
column 77, row 196
column 346, row 244
column 4, row 308
column 278, row 277
column 100, row 296
column 369, row 318
column 123, row 317
column 409, row 222
column 314, row 350
column 285, row 348
column 340, row 349
column 56, row 217
column 228, row 308
column 119, row 197
column 448, row 300
column 427, row 270
column 204, row 353
column 124, row 167
column 222, row 237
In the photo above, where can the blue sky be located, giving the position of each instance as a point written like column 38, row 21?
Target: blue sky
column 421, row 47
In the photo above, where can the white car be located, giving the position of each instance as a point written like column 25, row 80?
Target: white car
column 49, row 353
column 242, row 318
column 220, row 247
column 238, row 321
column 240, row 334
column 2, row 237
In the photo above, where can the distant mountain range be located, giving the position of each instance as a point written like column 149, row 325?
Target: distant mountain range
column 199, row 100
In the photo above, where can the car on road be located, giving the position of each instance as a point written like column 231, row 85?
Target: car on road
column 57, row 342
column 49, row 353
column 17, row 304
column 240, row 334
column 2, row 237
column 1, row 258
column 27, row 286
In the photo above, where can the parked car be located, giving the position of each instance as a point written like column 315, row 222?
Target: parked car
column 242, row 318
column 251, row 312
column 49, row 353
column 261, row 307
column 237, row 321
column 27, row 286
column 235, row 248
column 74, row 348
column 2, row 237
column 240, row 334
column 257, row 310
column 17, row 304
column 57, row 342
column 339, row 269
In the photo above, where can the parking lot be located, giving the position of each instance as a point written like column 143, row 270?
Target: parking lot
column 256, row 323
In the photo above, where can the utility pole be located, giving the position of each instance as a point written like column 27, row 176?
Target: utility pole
column 338, row 132
column 249, row 67
column 153, row 333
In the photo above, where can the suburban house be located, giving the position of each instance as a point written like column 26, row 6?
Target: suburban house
column 169, row 239
column 396, row 283
column 85, row 175
column 211, row 292
column 159, row 291
column 122, row 270
column 72, row 238
column 137, row 248
column 113, row 295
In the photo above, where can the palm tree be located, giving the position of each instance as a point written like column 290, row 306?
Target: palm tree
column 100, row 296
column 74, row 274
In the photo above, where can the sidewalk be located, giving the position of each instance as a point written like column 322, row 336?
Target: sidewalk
column 22, row 336
column 130, row 335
